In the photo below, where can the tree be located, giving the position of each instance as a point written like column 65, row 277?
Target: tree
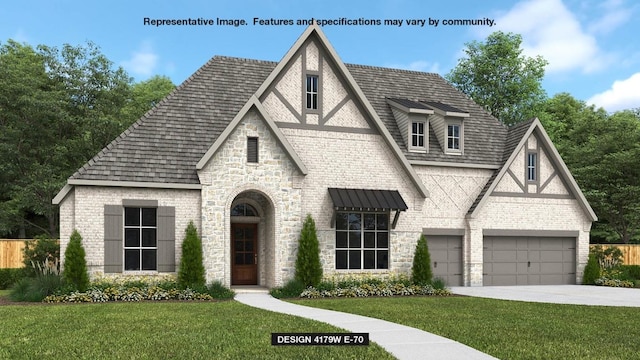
column 75, row 264
column 605, row 160
column 308, row 267
column 421, row 273
column 498, row 77
column 591, row 271
column 146, row 95
column 191, row 273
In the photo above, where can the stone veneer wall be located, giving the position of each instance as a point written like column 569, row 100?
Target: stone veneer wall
column 83, row 209
column 228, row 175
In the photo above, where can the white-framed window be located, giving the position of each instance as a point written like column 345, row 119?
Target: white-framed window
column 252, row 150
column 140, row 239
column 418, row 134
column 362, row 240
column 453, row 137
column 532, row 168
column 312, row 92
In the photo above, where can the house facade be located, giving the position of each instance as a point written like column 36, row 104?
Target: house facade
column 246, row 149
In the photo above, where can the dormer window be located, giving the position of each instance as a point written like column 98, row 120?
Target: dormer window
column 417, row 134
column 312, row 92
column 453, row 137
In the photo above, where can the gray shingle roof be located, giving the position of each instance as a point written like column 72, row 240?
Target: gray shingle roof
column 166, row 144
column 443, row 107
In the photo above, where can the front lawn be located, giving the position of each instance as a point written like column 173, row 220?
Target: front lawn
column 509, row 329
column 173, row 330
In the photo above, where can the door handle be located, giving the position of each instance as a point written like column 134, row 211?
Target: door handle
column 528, row 263
column 435, row 264
column 255, row 259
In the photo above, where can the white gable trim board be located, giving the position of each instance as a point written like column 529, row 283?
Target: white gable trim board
column 275, row 161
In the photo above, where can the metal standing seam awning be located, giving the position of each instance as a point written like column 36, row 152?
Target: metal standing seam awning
column 367, row 200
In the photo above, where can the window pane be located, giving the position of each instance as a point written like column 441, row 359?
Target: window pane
column 131, row 237
column 239, row 259
column 354, row 259
column 248, row 245
column 414, row 140
column 149, row 237
column 238, row 233
column 341, row 221
column 421, row 141
column 131, row 216
column 354, row 239
column 383, row 259
column 369, row 239
column 250, row 210
column 249, row 233
column 369, row 259
column 148, row 259
column 383, row 240
column 314, row 101
column 238, row 210
column 369, row 221
column 341, row 259
column 132, row 260
column 355, row 222
column 383, row 221
column 238, row 245
column 314, row 83
column 149, row 217
column 341, row 239
column 309, row 105
column 309, row 83
column 414, row 128
column 421, row 128
column 249, row 258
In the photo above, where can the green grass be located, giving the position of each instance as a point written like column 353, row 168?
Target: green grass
column 179, row 330
column 510, row 329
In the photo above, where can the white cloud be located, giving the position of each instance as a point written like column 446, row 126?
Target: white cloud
column 623, row 94
column 419, row 65
column 614, row 15
column 549, row 29
column 142, row 62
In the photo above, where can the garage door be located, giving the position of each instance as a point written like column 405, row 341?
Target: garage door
column 529, row 261
column 446, row 258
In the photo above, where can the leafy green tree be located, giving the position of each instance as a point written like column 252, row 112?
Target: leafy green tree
column 75, row 264
column 146, row 95
column 308, row 267
column 421, row 273
column 191, row 273
column 42, row 250
column 497, row 76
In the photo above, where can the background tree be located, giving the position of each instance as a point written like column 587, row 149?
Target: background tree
column 145, row 95
column 497, row 76
column 75, row 264
column 58, row 108
column 421, row 273
column 308, row 267
column 191, row 273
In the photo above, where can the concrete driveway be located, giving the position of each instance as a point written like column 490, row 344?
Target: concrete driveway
column 557, row 294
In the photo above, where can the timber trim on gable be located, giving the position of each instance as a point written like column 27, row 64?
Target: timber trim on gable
column 553, row 156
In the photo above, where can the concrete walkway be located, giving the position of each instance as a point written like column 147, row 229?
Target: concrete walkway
column 557, row 294
column 401, row 341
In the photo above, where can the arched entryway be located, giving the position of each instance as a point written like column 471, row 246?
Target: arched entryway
column 252, row 239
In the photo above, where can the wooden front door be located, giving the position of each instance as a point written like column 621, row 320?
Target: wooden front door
column 244, row 256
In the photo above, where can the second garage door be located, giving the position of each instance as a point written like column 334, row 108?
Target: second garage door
column 529, row 261
column 446, row 258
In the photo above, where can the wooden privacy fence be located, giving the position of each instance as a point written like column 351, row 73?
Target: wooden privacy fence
column 11, row 253
column 630, row 253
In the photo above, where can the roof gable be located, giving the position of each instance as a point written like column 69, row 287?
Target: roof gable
column 516, row 142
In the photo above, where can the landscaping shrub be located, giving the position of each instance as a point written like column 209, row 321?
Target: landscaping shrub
column 439, row 284
column 46, row 282
column 9, row 277
column 592, row 270
column 632, row 272
column 293, row 288
column 219, row 291
column 382, row 289
column 308, row 267
column 421, row 273
column 191, row 273
column 38, row 252
column 75, row 265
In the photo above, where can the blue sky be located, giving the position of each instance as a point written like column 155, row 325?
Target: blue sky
column 592, row 46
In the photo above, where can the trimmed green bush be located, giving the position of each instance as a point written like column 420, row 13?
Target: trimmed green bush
column 308, row 267
column 632, row 272
column 75, row 265
column 191, row 273
column 592, row 270
column 219, row 291
column 292, row 289
column 421, row 273
column 9, row 277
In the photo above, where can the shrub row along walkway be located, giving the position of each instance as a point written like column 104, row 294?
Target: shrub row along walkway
column 401, row 341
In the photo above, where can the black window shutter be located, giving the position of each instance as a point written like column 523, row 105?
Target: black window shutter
column 252, row 149
column 113, row 229
column 166, row 239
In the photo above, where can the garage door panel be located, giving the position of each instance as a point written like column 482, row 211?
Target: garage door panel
column 529, row 261
column 446, row 258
